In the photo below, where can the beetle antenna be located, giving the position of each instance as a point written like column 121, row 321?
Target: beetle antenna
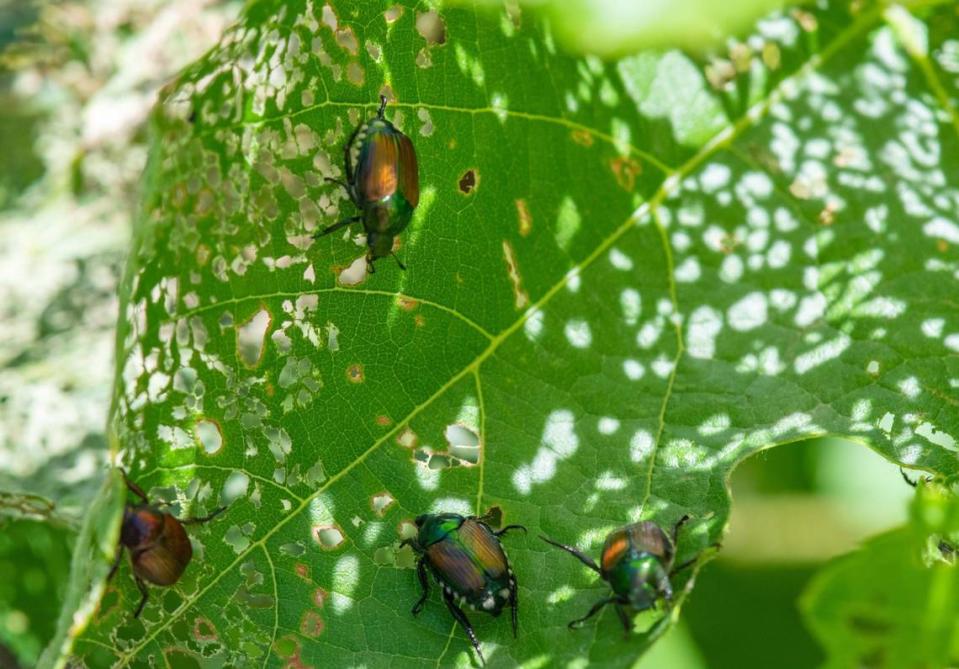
column 382, row 109
column 398, row 261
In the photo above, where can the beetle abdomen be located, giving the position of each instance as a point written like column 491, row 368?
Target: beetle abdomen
column 163, row 561
column 471, row 563
column 385, row 165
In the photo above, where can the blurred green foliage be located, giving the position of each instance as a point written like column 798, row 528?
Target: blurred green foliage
column 612, row 28
column 34, row 567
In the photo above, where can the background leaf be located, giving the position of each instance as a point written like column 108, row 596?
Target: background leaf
column 861, row 621
column 645, row 279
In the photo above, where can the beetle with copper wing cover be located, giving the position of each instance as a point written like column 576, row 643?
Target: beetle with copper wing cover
column 160, row 549
column 637, row 563
column 382, row 180
column 468, row 561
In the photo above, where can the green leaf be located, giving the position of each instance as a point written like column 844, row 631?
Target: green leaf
column 893, row 602
column 39, row 555
column 611, row 300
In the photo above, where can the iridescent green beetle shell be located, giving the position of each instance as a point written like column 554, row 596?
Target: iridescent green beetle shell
column 468, row 559
column 635, row 562
column 382, row 169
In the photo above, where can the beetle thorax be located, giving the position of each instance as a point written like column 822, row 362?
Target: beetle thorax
column 141, row 525
column 648, row 581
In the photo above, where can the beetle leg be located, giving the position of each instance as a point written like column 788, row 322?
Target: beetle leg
column 464, row 621
column 116, row 562
column 597, row 607
column 585, row 559
column 514, row 603
column 203, row 519
column 398, row 261
column 336, row 226
column 133, row 487
column 379, row 114
column 143, row 591
column 508, row 528
column 905, row 477
column 424, row 584
column 623, row 618
column 690, row 562
column 679, row 523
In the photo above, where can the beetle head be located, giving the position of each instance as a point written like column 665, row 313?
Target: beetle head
column 380, row 244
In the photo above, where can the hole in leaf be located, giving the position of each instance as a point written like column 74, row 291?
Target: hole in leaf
column 355, row 274
column 208, row 432
column 329, row 537
column 381, row 502
column 406, row 530
column 295, row 549
column 235, row 487
column 494, row 516
column 407, row 438
column 393, row 14
column 329, row 17
column 355, row 73
column 463, row 442
column 251, row 338
column 431, row 27
column 346, row 39
column 468, row 182
column 180, row 658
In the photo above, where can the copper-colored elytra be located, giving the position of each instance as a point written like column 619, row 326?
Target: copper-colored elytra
column 616, row 545
column 380, row 182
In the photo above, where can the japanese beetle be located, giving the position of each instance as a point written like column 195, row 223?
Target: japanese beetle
column 159, row 548
column 467, row 559
column 637, row 562
column 382, row 180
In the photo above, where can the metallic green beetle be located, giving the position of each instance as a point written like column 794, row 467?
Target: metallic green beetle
column 637, row 562
column 468, row 561
column 382, row 180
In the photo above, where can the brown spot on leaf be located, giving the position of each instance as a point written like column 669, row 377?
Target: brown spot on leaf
column 319, row 598
column 203, row 630
column 525, row 219
column 407, row 304
column 942, row 245
column 583, row 137
column 626, row 170
column 520, row 297
column 311, row 625
column 355, row 373
column 303, row 571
